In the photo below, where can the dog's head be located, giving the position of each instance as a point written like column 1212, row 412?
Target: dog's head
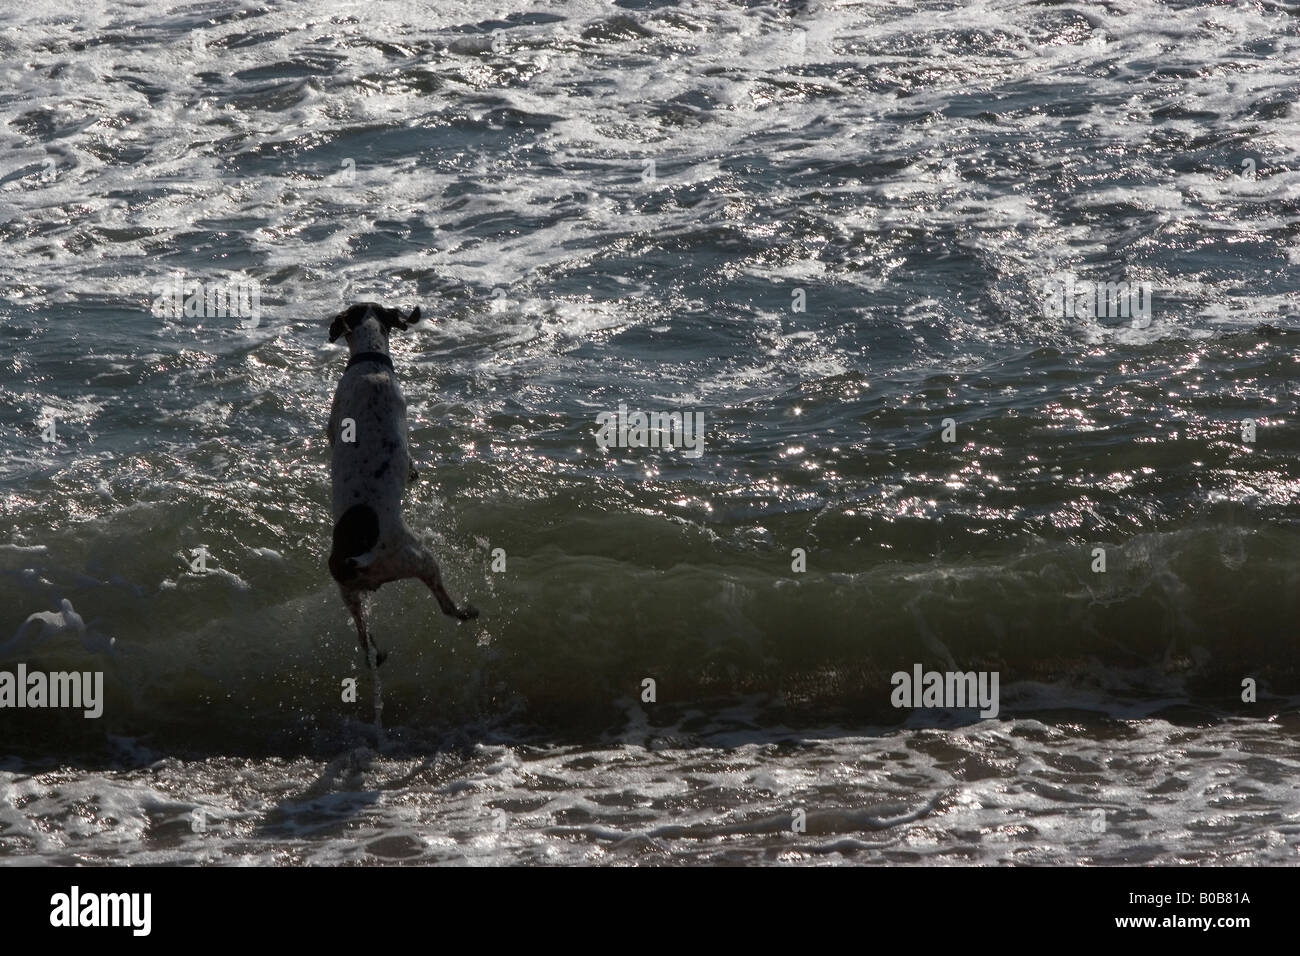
column 376, row 320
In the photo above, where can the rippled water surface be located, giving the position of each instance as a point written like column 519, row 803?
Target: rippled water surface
column 827, row 227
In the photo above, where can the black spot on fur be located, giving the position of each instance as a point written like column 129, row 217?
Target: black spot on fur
column 354, row 534
column 382, row 468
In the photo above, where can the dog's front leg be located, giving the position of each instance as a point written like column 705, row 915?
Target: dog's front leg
column 332, row 426
column 411, row 473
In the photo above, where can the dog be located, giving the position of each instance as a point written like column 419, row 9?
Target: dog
column 370, row 468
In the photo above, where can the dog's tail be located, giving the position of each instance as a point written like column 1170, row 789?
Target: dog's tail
column 356, row 533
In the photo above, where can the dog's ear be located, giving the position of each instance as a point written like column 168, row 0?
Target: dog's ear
column 392, row 319
column 338, row 326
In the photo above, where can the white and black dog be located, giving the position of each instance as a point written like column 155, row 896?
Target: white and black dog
column 371, row 467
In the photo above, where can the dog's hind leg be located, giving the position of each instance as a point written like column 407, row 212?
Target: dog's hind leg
column 425, row 568
column 374, row 657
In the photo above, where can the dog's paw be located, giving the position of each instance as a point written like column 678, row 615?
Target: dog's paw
column 467, row 613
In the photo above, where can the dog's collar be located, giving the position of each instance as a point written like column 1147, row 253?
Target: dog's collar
column 379, row 357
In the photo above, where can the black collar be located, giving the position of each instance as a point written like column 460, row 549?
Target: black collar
column 379, row 357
